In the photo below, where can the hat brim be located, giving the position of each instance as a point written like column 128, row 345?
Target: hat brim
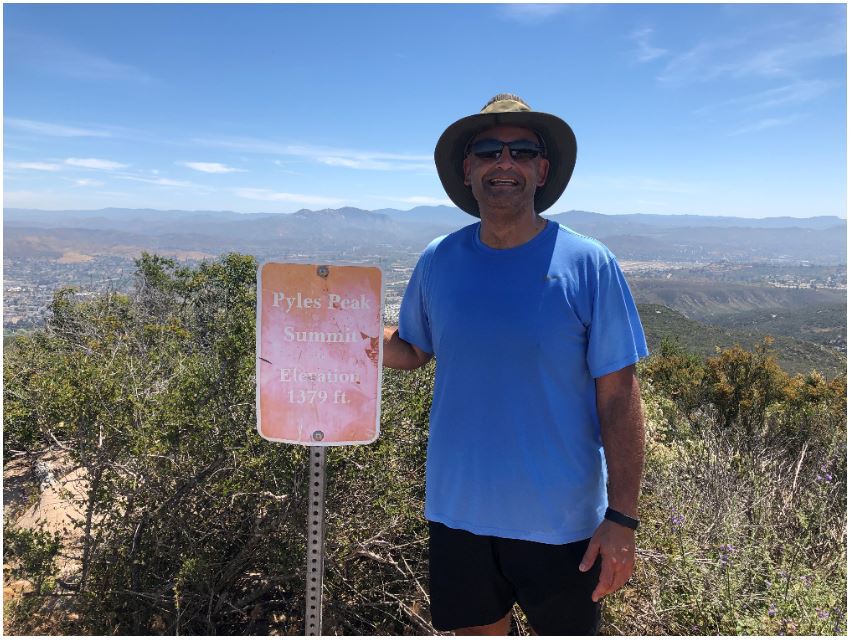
column 557, row 135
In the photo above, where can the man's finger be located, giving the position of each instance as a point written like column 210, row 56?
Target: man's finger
column 621, row 574
column 590, row 555
column 605, row 582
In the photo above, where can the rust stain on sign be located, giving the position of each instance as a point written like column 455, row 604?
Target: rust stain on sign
column 373, row 350
column 323, row 363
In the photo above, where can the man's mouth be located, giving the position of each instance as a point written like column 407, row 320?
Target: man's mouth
column 503, row 182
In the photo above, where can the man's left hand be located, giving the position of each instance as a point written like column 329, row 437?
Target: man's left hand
column 617, row 546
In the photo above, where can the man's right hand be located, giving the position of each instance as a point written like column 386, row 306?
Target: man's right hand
column 399, row 354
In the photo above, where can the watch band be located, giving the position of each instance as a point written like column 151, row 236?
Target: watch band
column 620, row 518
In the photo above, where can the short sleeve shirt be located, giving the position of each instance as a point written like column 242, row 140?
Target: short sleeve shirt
column 519, row 337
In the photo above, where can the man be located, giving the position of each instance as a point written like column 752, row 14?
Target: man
column 536, row 334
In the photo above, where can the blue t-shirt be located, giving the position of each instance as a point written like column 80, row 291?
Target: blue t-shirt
column 519, row 336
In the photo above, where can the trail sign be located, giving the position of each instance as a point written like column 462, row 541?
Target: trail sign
column 319, row 353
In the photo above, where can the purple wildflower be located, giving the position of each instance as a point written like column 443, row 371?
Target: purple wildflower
column 676, row 520
column 822, row 615
column 772, row 610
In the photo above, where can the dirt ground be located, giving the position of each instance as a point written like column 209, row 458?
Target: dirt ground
column 42, row 492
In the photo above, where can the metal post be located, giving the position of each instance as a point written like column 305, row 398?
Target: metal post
column 316, row 538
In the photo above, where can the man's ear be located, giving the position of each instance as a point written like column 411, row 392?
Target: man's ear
column 544, row 168
column 466, row 169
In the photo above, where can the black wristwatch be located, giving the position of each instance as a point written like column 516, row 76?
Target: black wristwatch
column 620, row 518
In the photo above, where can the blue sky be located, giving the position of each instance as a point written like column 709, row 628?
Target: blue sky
column 735, row 110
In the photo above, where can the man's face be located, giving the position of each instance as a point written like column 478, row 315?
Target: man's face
column 505, row 182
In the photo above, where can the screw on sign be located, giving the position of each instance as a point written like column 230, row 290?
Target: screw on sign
column 319, row 353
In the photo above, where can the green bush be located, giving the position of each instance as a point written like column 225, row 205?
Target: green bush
column 31, row 554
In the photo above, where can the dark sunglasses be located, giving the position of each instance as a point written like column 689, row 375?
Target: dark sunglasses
column 492, row 149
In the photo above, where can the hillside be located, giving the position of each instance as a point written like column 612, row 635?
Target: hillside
column 821, row 323
column 794, row 355
column 704, row 300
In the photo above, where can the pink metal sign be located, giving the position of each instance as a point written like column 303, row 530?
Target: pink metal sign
column 319, row 353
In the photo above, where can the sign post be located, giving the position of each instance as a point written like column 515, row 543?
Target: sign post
column 319, row 354
column 316, row 542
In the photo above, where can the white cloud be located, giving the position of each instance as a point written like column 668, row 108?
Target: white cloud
column 274, row 196
column 85, row 182
column 50, row 129
column 161, row 182
column 796, row 93
column 423, row 200
column 34, row 166
column 783, row 59
column 20, row 198
column 362, row 163
column 43, row 53
column 766, row 123
column 336, row 157
column 94, row 163
column 702, row 62
column 209, row 167
column 665, row 186
column 281, row 165
column 640, row 183
column 645, row 52
column 757, row 53
column 250, row 145
column 531, row 13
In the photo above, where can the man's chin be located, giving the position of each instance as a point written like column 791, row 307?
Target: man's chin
column 506, row 201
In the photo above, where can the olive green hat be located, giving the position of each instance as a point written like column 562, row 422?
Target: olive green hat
column 506, row 109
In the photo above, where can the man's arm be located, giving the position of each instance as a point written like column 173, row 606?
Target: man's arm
column 623, row 434
column 399, row 354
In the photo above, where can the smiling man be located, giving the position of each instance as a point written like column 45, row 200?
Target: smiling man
column 536, row 433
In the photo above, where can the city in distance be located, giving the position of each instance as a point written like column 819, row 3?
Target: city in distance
column 706, row 281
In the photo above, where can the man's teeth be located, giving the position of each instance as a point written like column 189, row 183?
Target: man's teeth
column 502, row 181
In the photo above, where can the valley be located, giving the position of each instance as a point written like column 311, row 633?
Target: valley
column 707, row 282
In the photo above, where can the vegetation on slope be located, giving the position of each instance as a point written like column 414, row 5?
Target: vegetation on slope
column 192, row 524
column 820, row 323
column 794, row 355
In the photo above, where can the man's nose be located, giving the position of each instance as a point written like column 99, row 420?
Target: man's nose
column 505, row 156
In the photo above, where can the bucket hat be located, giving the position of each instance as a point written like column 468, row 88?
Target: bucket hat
column 506, row 109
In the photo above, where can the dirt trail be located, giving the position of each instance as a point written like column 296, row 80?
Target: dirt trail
column 43, row 493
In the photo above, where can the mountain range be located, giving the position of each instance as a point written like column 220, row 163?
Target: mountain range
column 640, row 236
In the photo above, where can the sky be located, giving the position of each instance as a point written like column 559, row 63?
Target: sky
column 731, row 110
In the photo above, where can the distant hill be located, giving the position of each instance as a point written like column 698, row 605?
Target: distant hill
column 658, row 237
column 706, row 300
column 820, row 322
column 820, row 240
column 794, row 356
column 649, row 220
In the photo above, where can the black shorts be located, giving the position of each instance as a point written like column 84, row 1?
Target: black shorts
column 474, row 580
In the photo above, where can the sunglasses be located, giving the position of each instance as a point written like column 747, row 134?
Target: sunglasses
column 492, row 149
